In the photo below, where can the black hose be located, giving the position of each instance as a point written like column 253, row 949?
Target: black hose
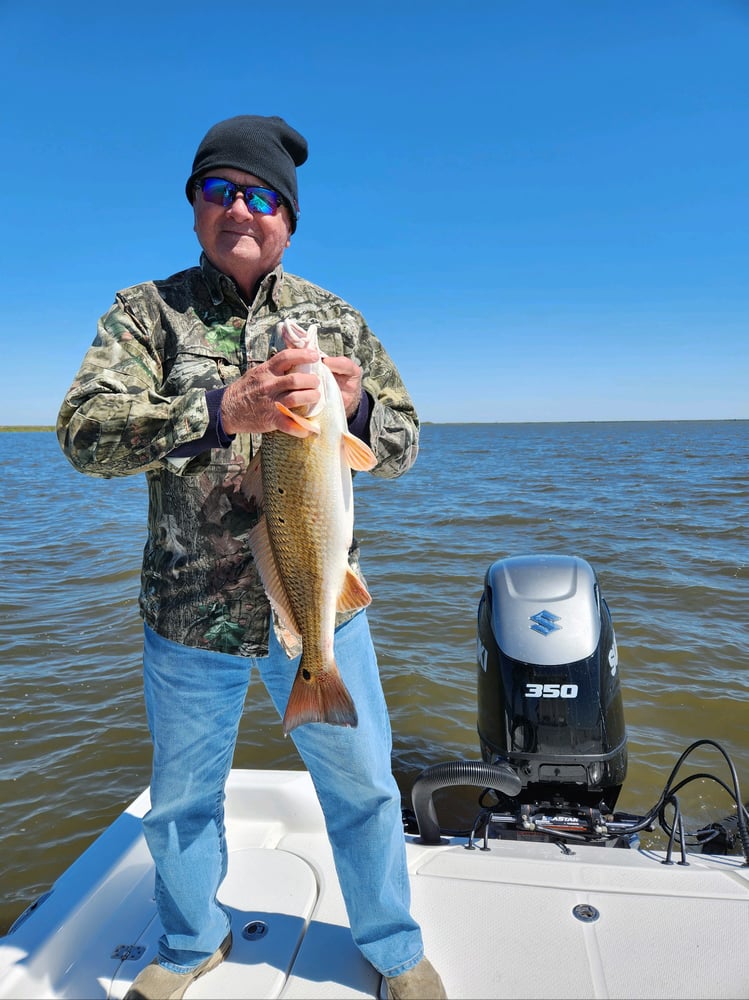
column 500, row 777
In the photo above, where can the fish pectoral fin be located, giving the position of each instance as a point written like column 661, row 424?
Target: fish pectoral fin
column 319, row 696
column 262, row 553
column 358, row 455
column 299, row 420
column 354, row 595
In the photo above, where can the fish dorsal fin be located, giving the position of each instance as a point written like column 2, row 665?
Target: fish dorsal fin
column 251, row 486
column 301, row 421
column 354, row 595
column 358, row 455
column 262, row 553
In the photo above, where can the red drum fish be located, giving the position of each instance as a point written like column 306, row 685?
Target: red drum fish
column 302, row 541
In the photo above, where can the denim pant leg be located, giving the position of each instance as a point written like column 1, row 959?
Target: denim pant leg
column 352, row 773
column 194, row 701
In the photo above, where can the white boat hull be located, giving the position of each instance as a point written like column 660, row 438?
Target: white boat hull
column 497, row 923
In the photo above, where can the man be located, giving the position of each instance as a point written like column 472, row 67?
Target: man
column 181, row 383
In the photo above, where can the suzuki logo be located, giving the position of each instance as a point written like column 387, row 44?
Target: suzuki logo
column 545, row 622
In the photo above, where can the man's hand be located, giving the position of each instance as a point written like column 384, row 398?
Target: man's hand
column 248, row 405
column 348, row 375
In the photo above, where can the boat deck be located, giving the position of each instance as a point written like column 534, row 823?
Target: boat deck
column 508, row 922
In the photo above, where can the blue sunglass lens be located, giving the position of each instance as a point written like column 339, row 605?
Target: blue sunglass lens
column 218, row 191
column 261, row 200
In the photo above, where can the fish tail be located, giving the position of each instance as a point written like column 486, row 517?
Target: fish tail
column 319, row 697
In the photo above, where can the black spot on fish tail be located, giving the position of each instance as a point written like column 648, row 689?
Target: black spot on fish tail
column 319, row 698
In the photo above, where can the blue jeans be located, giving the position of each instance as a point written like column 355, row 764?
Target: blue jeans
column 194, row 701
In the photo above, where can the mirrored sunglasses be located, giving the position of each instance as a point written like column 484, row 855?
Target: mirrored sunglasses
column 217, row 191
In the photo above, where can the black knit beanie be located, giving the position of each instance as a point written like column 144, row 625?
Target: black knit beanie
column 266, row 147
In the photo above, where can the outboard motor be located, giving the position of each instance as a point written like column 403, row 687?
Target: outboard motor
column 549, row 697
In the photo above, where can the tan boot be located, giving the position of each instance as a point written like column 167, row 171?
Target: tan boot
column 420, row 983
column 157, row 983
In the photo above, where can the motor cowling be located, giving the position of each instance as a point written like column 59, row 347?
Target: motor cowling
column 549, row 694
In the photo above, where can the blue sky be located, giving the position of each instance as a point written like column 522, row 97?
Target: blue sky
column 540, row 207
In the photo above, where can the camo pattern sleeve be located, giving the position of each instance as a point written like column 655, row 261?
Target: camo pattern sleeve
column 119, row 416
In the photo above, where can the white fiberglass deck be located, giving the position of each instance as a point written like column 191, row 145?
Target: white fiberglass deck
column 497, row 923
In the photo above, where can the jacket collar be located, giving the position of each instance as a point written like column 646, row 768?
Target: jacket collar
column 221, row 286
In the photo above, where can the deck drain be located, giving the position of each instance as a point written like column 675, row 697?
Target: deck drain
column 128, row 952
column 255, row 930
column 585, row 912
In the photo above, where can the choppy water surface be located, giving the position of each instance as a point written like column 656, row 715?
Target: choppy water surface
column 659, row 509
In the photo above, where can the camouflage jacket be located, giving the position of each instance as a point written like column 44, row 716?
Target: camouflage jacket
column 141, row 393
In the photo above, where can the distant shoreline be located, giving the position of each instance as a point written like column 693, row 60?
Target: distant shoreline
column 482, row 423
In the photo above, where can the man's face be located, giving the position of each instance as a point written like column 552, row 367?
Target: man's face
column 243, row 244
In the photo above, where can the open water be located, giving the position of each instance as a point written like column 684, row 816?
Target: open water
column 658, row 509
